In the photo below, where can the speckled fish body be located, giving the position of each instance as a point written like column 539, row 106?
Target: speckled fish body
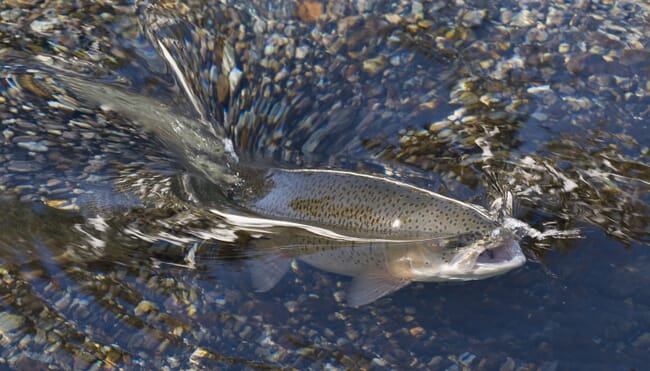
column 366, row 206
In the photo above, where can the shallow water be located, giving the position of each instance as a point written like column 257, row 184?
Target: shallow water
column 107, row 260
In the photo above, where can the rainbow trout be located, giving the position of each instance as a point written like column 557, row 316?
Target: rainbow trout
column 383, row 232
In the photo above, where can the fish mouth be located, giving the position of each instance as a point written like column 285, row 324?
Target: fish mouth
column 501, row 257
column 493, row 258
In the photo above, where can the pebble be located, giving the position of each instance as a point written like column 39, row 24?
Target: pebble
column 301, row 52
column 61, row 105
column 466, row 359
column 19, row 166
column 373, row 65
column 352, row 334
column 292, row 306
column 144, row 307
column 417, row 331
column 53, row 182
column 63, row 302
column 539, row 116
column 393, row 18
column 379, row 362
column 43, row 26
column 474, row 18
column 10, row 322
column 309, row 10
column 197, row 354
column 417, row 9
column 435, row 361
column 233, row 78
column 555, row 17
column 524, row 18
column 33, row 146
column 80, row 124
column 564, row 48
column 221, row 301
column 538, row 89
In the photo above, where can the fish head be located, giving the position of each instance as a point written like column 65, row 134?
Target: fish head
column 495, row 254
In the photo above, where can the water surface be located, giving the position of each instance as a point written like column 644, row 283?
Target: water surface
column 107, row 260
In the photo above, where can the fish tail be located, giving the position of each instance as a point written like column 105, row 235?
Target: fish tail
column 269, row 113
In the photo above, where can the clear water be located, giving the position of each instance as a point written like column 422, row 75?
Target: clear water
column 105, row 259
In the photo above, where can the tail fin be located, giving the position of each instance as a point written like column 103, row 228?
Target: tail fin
column 252, row 85
column 174, row 39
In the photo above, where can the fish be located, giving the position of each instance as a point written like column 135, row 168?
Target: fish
column 383, row 232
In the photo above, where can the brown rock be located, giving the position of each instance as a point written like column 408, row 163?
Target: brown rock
column 635, row 57
column 590, row 64
column 222, row 88
column 309, row 10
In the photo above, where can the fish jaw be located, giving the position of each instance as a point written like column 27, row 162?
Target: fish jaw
column 478, row 261
column 499, row 259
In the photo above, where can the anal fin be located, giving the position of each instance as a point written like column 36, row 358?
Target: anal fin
column 372, row 285
column 267, row 270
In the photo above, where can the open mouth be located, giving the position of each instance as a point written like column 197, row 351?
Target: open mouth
column 506, row 254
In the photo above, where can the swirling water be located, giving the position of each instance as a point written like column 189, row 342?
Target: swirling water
column 107, row 259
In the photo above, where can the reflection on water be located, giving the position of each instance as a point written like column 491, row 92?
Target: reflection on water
column 107, row 258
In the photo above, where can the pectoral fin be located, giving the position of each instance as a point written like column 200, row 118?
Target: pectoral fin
column 267, row 271
column 372, row 285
